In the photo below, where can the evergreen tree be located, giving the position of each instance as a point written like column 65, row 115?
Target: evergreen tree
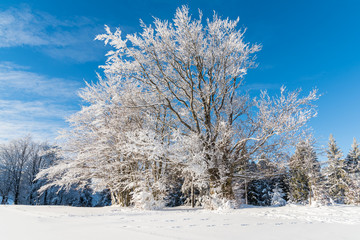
column 352, row 168
column 265, row 178
column 260, row 192
column 336, row 175
column 277, row 196
column 304, row 172
column 353, row 158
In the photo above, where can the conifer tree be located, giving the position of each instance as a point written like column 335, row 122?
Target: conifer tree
column 352, row 168
column 336, row 175
column 304, row 172
column 353, row 158
column 277, row 196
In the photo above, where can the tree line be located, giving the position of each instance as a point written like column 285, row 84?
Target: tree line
column 305, row 180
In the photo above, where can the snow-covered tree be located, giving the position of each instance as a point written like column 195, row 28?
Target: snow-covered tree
column 114, row 144
column 173, row 99
column 260, row 192
column 278, row 196
column 304, row 172
column 352, row 160
column 263, row 177
column 20, row 160
column 352, row 167
column 14, row 158
column 337, row 178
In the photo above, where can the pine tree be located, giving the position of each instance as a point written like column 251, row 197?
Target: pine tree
column 277, row 196
column 336, row 176
column 304, row 172
column 352, row 167
column 353, row 158
column 260, row 192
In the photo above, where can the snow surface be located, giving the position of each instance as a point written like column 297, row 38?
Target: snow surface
column 289, row 222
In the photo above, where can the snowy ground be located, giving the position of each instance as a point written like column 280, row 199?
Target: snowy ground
column 289, row 222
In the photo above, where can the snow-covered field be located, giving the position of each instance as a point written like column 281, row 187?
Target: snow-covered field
column 289, row 222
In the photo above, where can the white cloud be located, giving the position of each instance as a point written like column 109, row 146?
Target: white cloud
column 42, row 132
column 42, row 120
column 64, row 39
column 25, row 110
column 14, row 78
column 33, row 103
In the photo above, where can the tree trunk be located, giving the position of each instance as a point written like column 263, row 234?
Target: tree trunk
column 192, row 195
column 246, row 192
column 16, row 195
column 45, row 197
column 227, row 190
column 4, row 199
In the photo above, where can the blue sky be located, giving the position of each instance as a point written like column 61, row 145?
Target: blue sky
column 47, row 51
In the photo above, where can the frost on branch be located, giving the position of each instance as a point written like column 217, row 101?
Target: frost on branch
column 172, row 108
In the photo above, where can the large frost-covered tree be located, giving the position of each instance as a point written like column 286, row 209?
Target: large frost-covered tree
column 172, row 102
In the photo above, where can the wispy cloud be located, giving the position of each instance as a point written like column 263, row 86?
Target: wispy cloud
column 34, row 103
column 18, row 79
column 42, row 120
column 59, row 38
